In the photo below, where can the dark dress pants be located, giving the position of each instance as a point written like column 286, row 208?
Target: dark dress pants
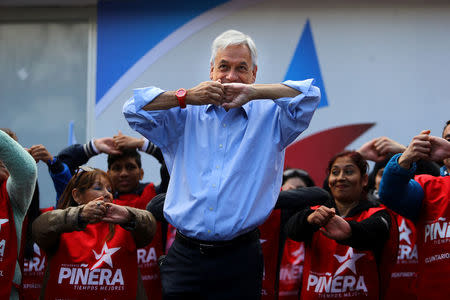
column 233, row 272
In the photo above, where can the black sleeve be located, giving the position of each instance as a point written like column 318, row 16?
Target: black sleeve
column 371, row 233
column 153, row 150
column 301, row 198
column 427, row 167
column 74, row 156
column 298, row 228
column 165, row 178
column 156, row 207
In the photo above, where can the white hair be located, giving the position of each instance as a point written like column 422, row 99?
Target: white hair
column 233, row 37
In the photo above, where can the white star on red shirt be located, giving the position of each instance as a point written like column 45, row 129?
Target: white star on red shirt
column 348, row 261
column 104, row 256
column 404, row 232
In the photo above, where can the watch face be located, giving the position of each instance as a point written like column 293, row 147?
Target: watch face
column 181, row 93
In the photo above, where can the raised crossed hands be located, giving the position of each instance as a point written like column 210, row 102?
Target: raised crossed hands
column 122, row 141
column 117, row 143
column 332, row 226
column 378, row 148
column 227, row 95
column 98, row 210
column 424, row 146
column 106, row 145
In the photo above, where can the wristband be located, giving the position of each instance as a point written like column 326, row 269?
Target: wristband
column 181, row 96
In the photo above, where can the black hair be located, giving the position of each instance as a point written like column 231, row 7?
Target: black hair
column 446, row 124
column 298, row 173
column 133, row 153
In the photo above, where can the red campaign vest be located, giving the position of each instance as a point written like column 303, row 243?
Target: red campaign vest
column 433, row 238
column 86, row 266
column 337, row 271
column 171, row 232
column 291, row 270
column 147, row 257
column 270, row 237
column 404, row 272
column 8, row 244
column 32, row 269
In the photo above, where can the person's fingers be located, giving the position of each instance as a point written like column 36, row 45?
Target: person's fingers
column 325, row 232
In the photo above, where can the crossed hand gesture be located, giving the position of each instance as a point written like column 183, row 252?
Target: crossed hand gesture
column 99, row 210
column 424, row 146
column 227, row 95
column 377, row 149
column 114, row 145
column 332, row 226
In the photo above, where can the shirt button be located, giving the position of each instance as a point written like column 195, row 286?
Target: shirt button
column 209, row 231
column 213, row 185
column 220, row 146
column 224, row 125
column 211, row 208
column 217, row 167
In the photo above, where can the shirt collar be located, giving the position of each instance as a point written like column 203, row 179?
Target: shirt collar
column 245, row 108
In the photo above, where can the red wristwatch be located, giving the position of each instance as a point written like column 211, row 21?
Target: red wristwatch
column 181, row 96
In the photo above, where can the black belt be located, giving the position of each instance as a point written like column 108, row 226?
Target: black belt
column 212, row 246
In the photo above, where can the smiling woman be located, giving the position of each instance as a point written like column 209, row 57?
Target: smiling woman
column 349, row 241
column 92, row 242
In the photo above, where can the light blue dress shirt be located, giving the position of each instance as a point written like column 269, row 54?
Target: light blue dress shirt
column 226, row 167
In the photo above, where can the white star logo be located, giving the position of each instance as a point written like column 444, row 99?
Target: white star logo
column 262, row 241
column 348, row 261
column 3, row 221
column 404, row 232
column 299, row 254
column 104, row 256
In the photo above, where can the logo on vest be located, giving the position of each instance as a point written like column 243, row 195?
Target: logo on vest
column 292, row 271
column 2, row 242
column 147, row 257
column 406, row 254
column 438, row 231
column 343, row 285
column 97, row 277
column 35, row 265
column 3, row 221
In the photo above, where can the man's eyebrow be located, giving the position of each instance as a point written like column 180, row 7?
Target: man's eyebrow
column 223, row 61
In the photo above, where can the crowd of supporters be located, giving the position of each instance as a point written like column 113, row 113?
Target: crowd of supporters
column 377, row 235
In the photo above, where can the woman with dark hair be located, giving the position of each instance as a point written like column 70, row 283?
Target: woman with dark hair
column 92, row 242
column 349, row 241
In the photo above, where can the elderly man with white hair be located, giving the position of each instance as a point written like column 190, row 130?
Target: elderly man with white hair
column 223, row 142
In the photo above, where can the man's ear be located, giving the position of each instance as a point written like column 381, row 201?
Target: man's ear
column 141, row 174
column 255, row 69
column 211, row 70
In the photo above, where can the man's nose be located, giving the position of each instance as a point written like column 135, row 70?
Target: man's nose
column 232, row 76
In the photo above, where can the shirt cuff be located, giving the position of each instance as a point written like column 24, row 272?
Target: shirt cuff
column 144, row 96
column 302, row 86
column 145, row 145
